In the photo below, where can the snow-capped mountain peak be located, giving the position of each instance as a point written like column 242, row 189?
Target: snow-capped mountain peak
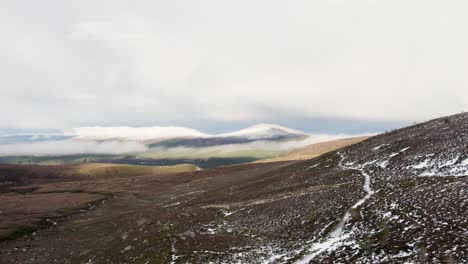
column 159, row 133
column 264, row 131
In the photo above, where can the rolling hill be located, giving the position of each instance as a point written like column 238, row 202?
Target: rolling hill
column 315, row 150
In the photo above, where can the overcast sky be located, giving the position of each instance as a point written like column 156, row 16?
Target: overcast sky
column 321, row 66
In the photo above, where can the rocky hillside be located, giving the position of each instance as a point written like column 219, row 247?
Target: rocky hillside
column 411, row 205
column 418, row 197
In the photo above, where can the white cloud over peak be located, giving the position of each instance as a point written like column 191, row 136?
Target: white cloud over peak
column 135, row 133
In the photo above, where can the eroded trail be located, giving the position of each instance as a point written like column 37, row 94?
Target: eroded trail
column 337, row 235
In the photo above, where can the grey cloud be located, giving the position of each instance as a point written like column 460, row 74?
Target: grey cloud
column 70, row 64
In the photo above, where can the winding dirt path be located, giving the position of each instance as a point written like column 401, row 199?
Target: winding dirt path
column 337, row 235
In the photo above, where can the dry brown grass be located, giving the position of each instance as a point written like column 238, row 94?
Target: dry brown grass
column 100, row 170
column 315, row 150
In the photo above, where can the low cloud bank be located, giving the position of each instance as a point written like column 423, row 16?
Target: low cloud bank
column 135, row 133
column 260, row 148
column 70, row 147
column 115, row 147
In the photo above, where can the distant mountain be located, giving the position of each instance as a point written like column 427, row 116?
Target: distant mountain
column 150, row 145
column 162, row 135
column 265, row 132
column 180, row 136
column 262, row 132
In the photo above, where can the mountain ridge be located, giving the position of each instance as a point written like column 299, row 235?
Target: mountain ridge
column 162, row 135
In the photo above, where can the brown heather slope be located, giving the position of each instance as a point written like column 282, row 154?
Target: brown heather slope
column 25, row 206
column 315, row 150
column 20, row 175
column 101, row 170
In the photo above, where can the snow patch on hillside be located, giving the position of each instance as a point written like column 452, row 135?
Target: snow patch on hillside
column 447, row 166
column 421, row 165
